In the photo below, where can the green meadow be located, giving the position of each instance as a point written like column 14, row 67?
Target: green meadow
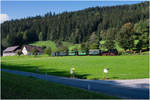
column 86, row 67
column 21, row 87
column 53, row 46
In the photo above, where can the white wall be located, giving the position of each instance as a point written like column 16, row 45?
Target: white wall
column 25, row 52
column 9, row 54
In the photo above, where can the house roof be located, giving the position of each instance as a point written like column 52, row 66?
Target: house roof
column 30, row 48
column 12, row 48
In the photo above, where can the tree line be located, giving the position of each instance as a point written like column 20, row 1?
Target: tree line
column 117, row 24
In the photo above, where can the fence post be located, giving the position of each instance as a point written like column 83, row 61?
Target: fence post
column 46, row 75
column 89, row 87
column 37, row 69
column 30, row 74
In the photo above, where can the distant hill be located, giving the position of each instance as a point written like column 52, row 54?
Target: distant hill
column 75, row 27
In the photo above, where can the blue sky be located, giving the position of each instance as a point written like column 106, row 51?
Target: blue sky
column 22, row 9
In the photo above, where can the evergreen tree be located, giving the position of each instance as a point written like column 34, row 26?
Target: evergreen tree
column 93, row 41
column 75, row 26
column 41, row 36
column 125, row 36
column 141, row 30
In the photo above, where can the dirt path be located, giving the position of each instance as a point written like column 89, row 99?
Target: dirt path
column 134, row 83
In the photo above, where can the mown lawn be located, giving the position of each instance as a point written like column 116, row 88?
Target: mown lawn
column 87, row 67
column 20, row 87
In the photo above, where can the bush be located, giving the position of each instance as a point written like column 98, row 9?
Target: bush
column 43, row 47
column 48, row 51
column 19, row 52
column 34, row 51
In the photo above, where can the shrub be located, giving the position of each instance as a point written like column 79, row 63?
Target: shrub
column 19, row 52
column 48, row 51
column 34, row 51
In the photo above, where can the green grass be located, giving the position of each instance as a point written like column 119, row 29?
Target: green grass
column 45, row 43
column 53, row 44
column 146, row 53
column 89, row 67
column 21, row 87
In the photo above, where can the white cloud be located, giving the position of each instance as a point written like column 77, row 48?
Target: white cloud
column 3, row 17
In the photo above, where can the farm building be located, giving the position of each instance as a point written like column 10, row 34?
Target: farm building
column 11, row 51
column 27, row 49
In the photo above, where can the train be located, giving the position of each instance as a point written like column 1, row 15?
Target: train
column 92, row 52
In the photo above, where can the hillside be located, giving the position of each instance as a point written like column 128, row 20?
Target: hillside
column 75, row 27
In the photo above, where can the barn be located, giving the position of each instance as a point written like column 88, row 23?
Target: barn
column 27, row 49
column 11, row 51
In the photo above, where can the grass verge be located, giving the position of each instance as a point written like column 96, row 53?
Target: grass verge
column 21, row 87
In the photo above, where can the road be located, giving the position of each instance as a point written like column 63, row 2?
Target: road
column 126, row 89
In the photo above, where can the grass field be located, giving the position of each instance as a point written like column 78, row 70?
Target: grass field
column 20, row 87
column 86, row 67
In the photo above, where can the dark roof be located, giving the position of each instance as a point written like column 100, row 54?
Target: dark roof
column 12, row 48
column 30, row 48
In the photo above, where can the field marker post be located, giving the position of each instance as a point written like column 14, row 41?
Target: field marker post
column 89, row 87
column 37, row 69
column 30, row 74
column 46, row 75
column 105, row 72
column 72, row 72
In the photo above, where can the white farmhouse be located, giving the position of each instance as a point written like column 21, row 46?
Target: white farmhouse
column 27, row 49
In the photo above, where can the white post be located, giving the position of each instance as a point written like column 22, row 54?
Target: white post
column 105, row 72
column 89, row 87
column 71, row 72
